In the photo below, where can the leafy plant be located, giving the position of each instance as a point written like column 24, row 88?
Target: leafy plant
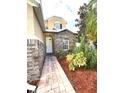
column 77, row 50
column 70, row 57
column 76, row 60
column 85, row 55
column 91, row 21
column 93, row 58
column 87, row 21
column 70, row 50
column 60, row 54
column 91, row 55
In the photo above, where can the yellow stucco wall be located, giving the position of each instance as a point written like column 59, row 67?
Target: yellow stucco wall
column 50, row 22
column 37, row 29
column 34, row 30
column 30, row 23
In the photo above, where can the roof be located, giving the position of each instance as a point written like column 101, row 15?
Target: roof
column 56, row 17
column 60, row 30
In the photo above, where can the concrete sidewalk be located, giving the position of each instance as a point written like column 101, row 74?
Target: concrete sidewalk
column 53, row 78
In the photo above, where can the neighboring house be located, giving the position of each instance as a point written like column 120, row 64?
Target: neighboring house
column 35, row 40
column 58, row 37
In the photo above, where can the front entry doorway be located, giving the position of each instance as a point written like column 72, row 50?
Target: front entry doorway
column 49, row 48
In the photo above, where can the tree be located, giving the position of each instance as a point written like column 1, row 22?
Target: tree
column 87, row 21
column 82, row 20
column 91, row 21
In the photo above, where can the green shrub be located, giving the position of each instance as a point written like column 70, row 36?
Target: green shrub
column 91, row 55
column 84, row 55
column 93, row 60
column 61, row 54
column 72, row 66
column 76, row 60
column 70, row 57
column 77, row 50
column 70, row 50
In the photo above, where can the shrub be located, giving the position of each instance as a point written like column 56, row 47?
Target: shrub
column 61, row 54
column 84, row 55
column 93, row 59
column 70, row 50
column 91, row 55
column 70, row 57
column 77, row 50
column 74, row 50
column 76, row 60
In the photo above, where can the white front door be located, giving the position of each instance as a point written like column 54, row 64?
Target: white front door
column 49, row 45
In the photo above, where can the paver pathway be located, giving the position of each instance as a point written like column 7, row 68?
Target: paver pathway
column 53, row 78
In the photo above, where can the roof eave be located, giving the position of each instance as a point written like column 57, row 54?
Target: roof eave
column 39, row 15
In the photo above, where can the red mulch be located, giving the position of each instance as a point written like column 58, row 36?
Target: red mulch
column 83, row 80
column 34, row 82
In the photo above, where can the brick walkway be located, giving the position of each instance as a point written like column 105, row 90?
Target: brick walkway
column 53, row 79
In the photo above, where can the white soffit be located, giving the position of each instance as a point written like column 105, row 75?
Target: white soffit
column 34, row 2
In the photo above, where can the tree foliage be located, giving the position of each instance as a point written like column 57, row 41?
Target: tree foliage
column 87, row 21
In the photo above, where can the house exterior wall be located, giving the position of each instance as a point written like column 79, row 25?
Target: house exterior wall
column 30, row 23
column 33, row 28
column 35, row 47
column 58, row 40
column 64, row 35
column 50, row 22
column 38, row 31
column 52, row 35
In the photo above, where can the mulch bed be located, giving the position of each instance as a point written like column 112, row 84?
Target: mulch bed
column 34, row 82
column 83, row 80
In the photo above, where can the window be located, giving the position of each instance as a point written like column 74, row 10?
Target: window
column 57, row 25
column 60, row 26
column 65, row 44
column 46, row 27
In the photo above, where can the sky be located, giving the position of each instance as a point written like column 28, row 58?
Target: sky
column 66, row 9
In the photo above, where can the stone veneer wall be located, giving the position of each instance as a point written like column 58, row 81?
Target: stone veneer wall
column 35, row 59
column 58, row 42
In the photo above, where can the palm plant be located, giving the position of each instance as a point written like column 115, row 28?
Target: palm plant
column 91, row 22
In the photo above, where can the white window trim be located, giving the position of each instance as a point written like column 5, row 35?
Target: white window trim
column 68, row 44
